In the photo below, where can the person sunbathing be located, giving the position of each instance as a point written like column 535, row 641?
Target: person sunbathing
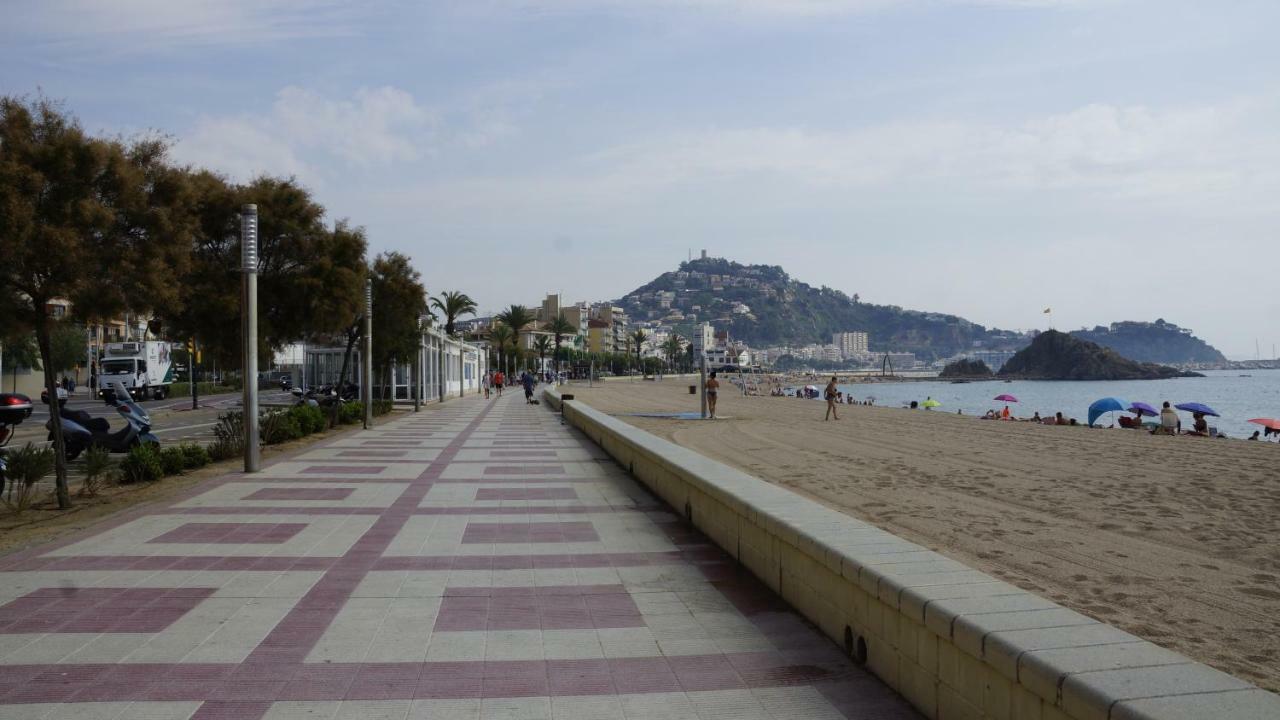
column 1200, row 425
column 1170, row 423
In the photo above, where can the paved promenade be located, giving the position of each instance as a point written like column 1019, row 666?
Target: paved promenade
column 474, row 560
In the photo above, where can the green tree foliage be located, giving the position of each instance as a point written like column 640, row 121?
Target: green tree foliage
column 453, row 305
column 966, row 369
column 501, row 338
column 68, row 346
column 1055, row 355
column 560, row 327
column 542, row 344
column 310, row 277
column 398, row 301
column 102, row 223
column 637, row 338
column 674, row 348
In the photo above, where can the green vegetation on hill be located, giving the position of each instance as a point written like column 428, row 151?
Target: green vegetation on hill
column 762, row 305
column 1055, row 355
column 1155, row 342
column 966, row 369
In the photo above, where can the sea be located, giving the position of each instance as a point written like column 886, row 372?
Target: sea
column 1236, row 395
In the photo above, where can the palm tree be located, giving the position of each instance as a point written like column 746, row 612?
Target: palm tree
column 516, row 317
column 501, row 336
column 561, row 327
column 543, row 345
column 637, row 342
column 453, row 305
column 672, row 347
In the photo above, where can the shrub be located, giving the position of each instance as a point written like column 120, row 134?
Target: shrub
column 310, row 419
column 277, row 426
column 349, row 413
column 97, row 460
column 142, row 464
column 194, row 455
column 173, row 460
column 228, row 436
column 26, row 467
column 382, row 407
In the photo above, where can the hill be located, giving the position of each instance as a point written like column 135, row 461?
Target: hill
column 1055, row 355
column 763, row 305
column 1154, row 342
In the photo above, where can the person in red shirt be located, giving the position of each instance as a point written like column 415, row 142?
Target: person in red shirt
column 498, row 381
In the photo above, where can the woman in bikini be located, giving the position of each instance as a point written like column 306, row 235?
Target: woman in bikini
column 713, row 387
column 830, row 393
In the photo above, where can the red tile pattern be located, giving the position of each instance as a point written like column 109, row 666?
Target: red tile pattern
column 568, row 607
column 527, row 493
column 286, row 493
column 99, row 609
column 264, row 533
column 531, row 532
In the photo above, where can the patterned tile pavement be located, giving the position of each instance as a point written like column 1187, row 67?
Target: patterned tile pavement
column 476, row 560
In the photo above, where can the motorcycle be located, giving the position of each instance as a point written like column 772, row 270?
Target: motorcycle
column 81, row 431
column 14, row 408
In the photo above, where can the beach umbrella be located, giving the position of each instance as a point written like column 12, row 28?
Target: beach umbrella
column 1143, row 409
column 1197, row 408
column 930, row 403
column 1006, row 397
column 1269, row 423
column 1105, row 405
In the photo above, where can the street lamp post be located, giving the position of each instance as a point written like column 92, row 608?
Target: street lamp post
column 368, row 354
column 420, row 365
column 249, row 332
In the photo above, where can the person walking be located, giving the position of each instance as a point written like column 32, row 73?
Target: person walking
column 498, row 381
column 831, row 393
column 713, row 390
column 526, row 379
column 486, row 381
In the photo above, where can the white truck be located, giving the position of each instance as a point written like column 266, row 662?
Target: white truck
column 145, row 367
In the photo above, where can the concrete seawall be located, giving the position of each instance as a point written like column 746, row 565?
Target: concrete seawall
column 954, row 641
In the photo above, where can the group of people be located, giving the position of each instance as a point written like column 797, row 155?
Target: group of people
column 496, row 380
column 1056, row 419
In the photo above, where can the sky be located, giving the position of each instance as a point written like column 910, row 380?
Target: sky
column 1111, row 159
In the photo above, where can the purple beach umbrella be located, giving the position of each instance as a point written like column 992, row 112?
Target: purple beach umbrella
column 1197, row 408
column 1006, row 398
column 1143, row 409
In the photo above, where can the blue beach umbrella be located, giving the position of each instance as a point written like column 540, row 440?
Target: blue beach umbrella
column 1106, row 405
column 1197, row 408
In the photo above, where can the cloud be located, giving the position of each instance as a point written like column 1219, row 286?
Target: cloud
column 768, row 8
column 1134, row 151
column 134, row 25
column 305, row 131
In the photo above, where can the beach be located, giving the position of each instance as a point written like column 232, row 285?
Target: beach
column 1175, row 539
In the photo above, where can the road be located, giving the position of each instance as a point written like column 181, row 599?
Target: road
column 173, row 420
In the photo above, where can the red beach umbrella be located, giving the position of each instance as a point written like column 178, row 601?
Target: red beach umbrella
column 1271, row 423
column 1006, row 398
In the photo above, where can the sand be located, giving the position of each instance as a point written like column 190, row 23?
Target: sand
column 1176, row 540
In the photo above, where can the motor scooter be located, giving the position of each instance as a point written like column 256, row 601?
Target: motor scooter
column 14, row 408
column 80, row 431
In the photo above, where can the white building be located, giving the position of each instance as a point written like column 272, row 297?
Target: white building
column 850, row 343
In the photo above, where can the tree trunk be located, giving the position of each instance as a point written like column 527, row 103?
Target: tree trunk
column 55, row 415
column 353, row 334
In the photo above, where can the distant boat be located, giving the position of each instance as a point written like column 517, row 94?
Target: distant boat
column 959, row 382
column 1245, row 375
